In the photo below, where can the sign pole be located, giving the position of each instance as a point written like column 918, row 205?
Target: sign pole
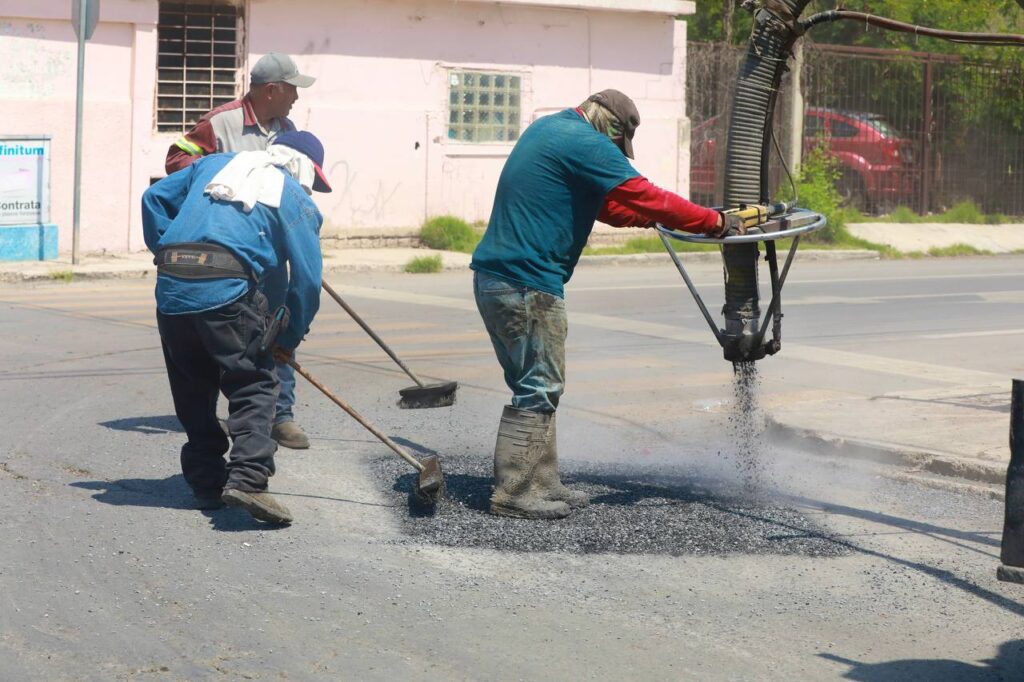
column 83, row 7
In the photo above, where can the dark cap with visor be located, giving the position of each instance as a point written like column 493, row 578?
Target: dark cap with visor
column 623, row 108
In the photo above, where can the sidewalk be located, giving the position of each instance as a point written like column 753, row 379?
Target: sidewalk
column 959, row 432
column 393, row 259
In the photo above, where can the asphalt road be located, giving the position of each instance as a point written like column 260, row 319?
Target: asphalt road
column 703, row 557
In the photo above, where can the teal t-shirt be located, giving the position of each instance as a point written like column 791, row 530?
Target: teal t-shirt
column 549, row 194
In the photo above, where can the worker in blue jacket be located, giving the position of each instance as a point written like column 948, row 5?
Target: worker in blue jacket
column 228, row 232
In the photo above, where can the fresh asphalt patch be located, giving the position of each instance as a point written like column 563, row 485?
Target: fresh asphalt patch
column 634, row 510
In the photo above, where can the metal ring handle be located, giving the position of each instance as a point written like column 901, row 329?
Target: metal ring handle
column 788, row 225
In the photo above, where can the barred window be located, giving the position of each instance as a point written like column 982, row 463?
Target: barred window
column 200, row 50
column 483, row 106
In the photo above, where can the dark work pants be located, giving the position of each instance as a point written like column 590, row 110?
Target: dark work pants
column 218, row 351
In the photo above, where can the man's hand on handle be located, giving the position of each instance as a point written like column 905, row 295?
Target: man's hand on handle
column 738, row 221
column 282, row 355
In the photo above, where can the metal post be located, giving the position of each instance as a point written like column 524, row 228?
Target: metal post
column 1012, row 555
column 796, row 114
column 926, row 139
column 83, row 7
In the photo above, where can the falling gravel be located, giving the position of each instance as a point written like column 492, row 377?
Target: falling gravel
column 634, row 510
column 746, row 429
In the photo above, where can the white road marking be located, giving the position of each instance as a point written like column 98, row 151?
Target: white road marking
column 970, row 335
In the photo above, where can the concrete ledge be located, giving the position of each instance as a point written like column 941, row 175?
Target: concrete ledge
column 28, row 242
column 919, row 459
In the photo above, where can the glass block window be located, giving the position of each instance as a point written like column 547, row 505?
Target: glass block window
column 483, row 106
column 199, row 54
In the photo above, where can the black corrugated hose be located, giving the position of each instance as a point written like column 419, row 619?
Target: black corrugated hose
column 746, row 175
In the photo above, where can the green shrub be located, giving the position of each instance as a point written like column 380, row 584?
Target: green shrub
column 449, row 233
column 424, row 264
column 61, row 276
column 817, row 191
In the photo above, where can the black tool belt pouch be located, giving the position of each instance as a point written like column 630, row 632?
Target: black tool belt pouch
column 199, row 260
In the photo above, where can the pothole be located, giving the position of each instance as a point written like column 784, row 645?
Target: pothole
column 634, row 510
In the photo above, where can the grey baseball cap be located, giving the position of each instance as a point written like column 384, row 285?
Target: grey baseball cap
column 279, row 68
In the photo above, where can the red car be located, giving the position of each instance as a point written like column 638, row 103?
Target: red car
column 877, row 163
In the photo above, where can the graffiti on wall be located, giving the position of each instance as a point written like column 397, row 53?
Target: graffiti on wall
column 359, row 204
column 31, row 67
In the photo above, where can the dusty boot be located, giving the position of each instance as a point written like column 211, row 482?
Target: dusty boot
column 261, row 505
column 547, row 474
column 521, row 445
column 290, row 435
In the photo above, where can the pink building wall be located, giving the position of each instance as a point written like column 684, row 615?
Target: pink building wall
column 379, row 104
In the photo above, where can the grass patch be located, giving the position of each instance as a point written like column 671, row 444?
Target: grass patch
column 635, row 245
column 962, row 212
column 957, row 250
column 448, row 233
column 61, row 276
column 424, row 264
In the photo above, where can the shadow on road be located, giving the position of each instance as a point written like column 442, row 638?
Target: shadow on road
column 932, row 531
column 1007, row 665
column 168, row 493
column 152, row 425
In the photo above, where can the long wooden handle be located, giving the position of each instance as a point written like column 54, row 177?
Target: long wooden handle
column 373, row 335
column 358, row 417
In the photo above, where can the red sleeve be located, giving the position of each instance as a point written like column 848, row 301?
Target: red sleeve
column 651, row 203
column 615, row 214
column 191, row 146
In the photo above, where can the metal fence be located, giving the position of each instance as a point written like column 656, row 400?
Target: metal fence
column 906, row 128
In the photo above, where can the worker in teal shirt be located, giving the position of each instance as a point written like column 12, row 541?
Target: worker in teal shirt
column 566, row 171
column 229, row 232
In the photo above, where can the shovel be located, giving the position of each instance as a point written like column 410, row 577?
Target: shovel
column 429, row 485
column 441, row 394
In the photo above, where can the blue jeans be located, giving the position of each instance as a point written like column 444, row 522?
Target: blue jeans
column 286, row 398
column 275, row 286
column 527, row 329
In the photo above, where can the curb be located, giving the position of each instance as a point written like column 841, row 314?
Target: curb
column 715, row 257
column 143, row 272
column 918, row 459
column 76, row 275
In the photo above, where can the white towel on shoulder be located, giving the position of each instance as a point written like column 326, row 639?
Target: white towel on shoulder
column 255, row 177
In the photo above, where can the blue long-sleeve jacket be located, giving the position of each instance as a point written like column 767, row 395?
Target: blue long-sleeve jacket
column 280, row 246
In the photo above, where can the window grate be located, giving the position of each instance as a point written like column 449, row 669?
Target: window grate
column 198, row 59
column 483, row 106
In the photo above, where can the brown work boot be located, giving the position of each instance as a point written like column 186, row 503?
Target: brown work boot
column 261, row 505
column 547, row 473
column 290, row 435
column 517, row 453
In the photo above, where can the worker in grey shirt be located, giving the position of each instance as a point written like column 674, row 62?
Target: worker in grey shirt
column 250, row 124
